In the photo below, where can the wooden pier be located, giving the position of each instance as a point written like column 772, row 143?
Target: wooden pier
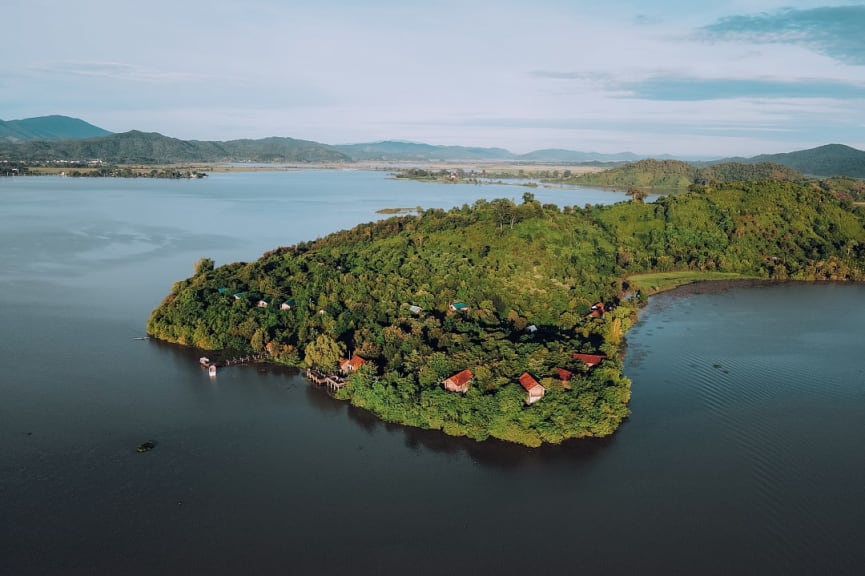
column 333, row 381
column 212, row 365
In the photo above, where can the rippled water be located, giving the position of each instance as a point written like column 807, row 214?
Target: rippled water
column 743, row 453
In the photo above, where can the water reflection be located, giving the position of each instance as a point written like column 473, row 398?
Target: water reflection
column 278, row 381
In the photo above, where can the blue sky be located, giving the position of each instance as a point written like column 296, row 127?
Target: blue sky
column 674, row 76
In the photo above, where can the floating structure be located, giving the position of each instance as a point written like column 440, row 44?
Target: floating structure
column 146, row 446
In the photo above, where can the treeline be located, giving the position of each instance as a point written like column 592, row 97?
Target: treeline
column 86, row 170
column 529, row 275
column 136, row 147
column 674, row 174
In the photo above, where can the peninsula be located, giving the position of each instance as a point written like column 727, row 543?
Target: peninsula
column 500, row 319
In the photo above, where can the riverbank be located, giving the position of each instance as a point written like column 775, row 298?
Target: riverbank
column 657, row 282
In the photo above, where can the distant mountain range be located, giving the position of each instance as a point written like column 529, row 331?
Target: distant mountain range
column 48, row 128
column 52, row 138
column 828, row 160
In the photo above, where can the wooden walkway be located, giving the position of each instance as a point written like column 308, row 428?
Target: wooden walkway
column 211, row 366
column 333, row 381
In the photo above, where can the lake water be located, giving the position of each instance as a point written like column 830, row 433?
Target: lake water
column 743, row 454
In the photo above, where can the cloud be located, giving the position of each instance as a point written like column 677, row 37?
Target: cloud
column 835, row 31
column 685, row 88
column 114, row 71
column 679, row 87
column 579, row 75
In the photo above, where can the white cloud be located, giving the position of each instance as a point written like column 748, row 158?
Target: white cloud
column 515, row 74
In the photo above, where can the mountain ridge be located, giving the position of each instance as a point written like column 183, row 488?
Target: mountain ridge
column 53, row 127
column 63, row 138
column 826, row 160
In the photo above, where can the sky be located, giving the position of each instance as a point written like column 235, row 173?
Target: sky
column 681, row 77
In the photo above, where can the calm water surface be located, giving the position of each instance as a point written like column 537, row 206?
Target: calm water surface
column 743, row 453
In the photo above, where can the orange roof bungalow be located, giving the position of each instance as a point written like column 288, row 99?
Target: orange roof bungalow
column 565, row 376
column 533, row 388
column 459, row 382
column 590, row 360
column 347, row 366
column 597, row 310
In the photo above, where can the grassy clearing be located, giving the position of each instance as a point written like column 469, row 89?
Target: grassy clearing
column 650, row 284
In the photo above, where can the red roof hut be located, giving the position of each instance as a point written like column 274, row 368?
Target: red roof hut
column 459, row 382
column 351, row 365
column 533, row 388
column 590, row 360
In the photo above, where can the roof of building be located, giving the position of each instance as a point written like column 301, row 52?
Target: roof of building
column 461, row 378
column 597, row 310
column 459, row 305
column 565, row 375
column 354, row 362
column 529, row 383
column 589, row 359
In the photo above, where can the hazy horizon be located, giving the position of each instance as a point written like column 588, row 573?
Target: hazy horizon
column 736, row 78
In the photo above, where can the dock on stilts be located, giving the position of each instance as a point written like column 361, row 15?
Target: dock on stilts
column 333, row 381
column 212, row 365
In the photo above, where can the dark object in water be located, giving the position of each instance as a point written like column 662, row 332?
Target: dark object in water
column 145, row 447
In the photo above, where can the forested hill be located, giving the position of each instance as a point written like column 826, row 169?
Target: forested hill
column 48, row 128
column 151, row 148
column 828, row 160
column 678, row 175
column 527, row 275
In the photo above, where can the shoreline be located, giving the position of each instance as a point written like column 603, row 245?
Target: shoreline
column 229, row 167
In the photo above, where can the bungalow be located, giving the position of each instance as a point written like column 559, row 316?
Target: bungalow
column 222, row 290
column 239, row 295
column 597, row 310
column 565, row 376
column 590, row 360
column 263, row 303
column 533, row 388
column 459, row 307
column 531, row 328
column 351, row 365
column 415, row 309
column 287, row 305
column 459, row 382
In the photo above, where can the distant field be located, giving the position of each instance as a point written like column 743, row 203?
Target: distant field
column 398, row 210
column 650, row 284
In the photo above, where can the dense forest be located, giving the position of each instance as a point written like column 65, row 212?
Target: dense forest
column 674, row 174
column 502, row 289
column 136, row 147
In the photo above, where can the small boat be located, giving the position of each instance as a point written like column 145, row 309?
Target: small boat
column 204, row 361
column 146, row 447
